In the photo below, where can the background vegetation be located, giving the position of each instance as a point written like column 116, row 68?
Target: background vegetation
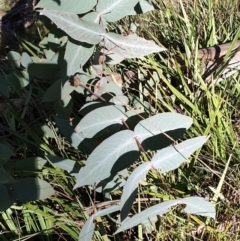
column 29, row 128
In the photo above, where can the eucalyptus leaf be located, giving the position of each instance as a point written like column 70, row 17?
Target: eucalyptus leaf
column 104, row 87
column 27, row 166
column 72, row 6
column 53, row 93
column 72, row 167
column 158, row 209
column 49, row 53
column 14, row 58
column 172, row 157
column 130, row 46
column 5, row 154
column 131, row 185
column 134, row 116
column 5, row 199
column 107, row 211
column 31, row 189
column 87, row 230
column 95, row 18
column 113, row 58
column 161, row 123
column 64, row 106
column 68, row 131
column 3, row 193
column 120, row 100
column 5, row 177
column 113, row 155
column 78, row 29
column 90, row 106
column 142, row 6
column 113, row 10
column 26, row 60
column 198, row 206
column 43, row 130
column 195, row 205
column 44, row 69
column 18, row 80
column 107, row 118
column 111, row 183
column 76, row 55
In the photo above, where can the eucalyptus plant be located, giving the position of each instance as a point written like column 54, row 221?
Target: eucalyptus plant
column 112, row 133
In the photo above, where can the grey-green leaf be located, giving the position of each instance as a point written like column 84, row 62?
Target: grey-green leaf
column 67, row 130
column 26, row 60
column 72, row 6
column 101, row 118
column 14, row 58
column 5, row 154
column 130, row 46
column 199, row 206
column 107, row 211
column 113, row 10
column 172, row 157
column 158, row 209
column 27, row 166
column 31, row 189
column 72, row 167
column 18, row 80
column 132, row 183
column 44, row 69
column 5, row 199
column 195, row 205
column 120, row 100
column 111, row 156
column 78, row 29
column 87, row 230
column 161, row 123
column 142, row 6
column 5, row 177
column 76, row 55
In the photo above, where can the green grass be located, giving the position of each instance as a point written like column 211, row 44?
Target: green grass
column 181, row 27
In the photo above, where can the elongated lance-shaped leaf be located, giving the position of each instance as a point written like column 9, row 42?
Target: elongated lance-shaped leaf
column 199, row 206
column 132, row 183
column 76, row 55
column 158, row 209
column 95, row 18
column 67, row 130
column 101, row 118
column 113, row 10
column 5, row 177
column 26, row 166
column 114, row 154
column 5, row 199
column 120, row 100
column 166, row 160
column 143, row 6
column 31, row 189
column 130, row 46
column 72, row 6
column 78, row 29
column 68, row 165
column 5, row 154
column 107, row 211
column 172, row 157
column 87, row 230
column 161, row 123
column 195, row 205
